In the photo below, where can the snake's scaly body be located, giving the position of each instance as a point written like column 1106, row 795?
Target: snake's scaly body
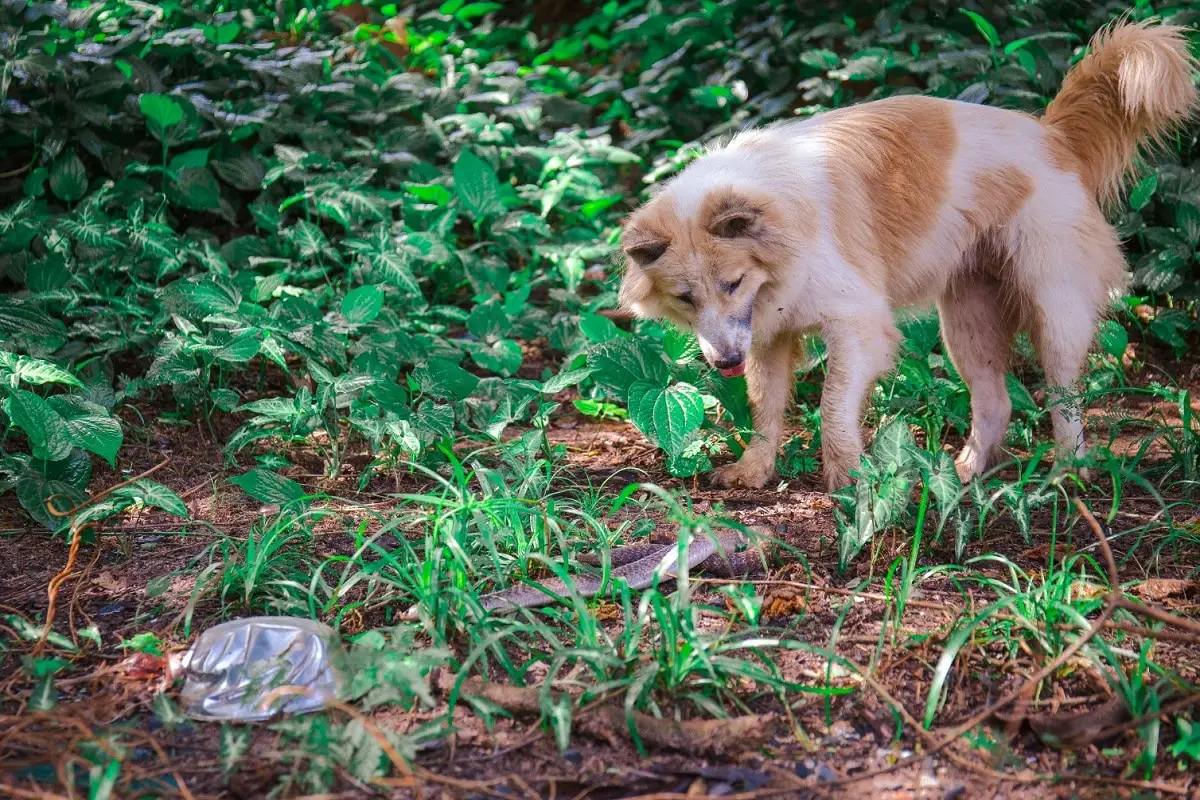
column 725, row 555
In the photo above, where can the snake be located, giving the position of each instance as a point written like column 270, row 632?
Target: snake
column 727, row 555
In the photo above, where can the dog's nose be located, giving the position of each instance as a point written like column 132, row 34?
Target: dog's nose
column 729, row 362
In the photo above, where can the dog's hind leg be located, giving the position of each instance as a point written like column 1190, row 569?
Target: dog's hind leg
column 1067, row 275
column 978, row 335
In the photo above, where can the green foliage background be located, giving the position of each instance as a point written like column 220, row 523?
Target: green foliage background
column 205, row 204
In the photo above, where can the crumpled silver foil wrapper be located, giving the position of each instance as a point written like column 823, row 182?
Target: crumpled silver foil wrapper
column 233, row 667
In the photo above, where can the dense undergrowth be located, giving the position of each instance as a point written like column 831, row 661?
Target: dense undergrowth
column 368, row 227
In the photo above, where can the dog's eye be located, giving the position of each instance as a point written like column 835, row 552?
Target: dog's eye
column 733, row 287
column 647, row 253
column 687, row 298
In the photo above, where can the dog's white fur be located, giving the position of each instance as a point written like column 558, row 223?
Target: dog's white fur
column 831, row 223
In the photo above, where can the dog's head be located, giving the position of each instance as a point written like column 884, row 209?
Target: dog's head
column 702, row 265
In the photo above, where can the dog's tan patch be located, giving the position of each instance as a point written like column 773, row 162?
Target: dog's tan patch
column 999, row 195
column 655, row 224
column 774, row 226
column 1062, row 156
column 889, row 165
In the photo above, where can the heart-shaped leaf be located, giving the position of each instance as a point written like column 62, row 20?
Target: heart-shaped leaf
column 268, row 487
column 362, row 305
column 68, row 177
column 49, row 437
column 162, row 113
column 476, row 185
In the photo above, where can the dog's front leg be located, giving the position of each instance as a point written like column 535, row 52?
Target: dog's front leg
column 769, row 383
column 860, row 349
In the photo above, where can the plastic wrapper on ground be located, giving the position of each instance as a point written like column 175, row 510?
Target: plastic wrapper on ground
column 253, row 669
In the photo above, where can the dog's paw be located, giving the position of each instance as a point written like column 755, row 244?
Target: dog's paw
column 836, row 478
column 969, row 464
column 741, row 475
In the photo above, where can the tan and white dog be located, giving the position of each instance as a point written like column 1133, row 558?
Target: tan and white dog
column 829, row 224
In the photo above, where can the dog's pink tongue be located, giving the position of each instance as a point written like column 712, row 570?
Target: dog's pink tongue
column 733, row 372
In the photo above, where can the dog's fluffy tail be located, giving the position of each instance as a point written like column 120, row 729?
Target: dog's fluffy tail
column 1133, row 88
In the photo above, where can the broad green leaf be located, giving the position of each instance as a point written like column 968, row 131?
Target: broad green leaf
column 731, row 394
column 244, row 171
column 502, row 357
column 152, row 493
column 894, row 447
column 199, row 298
column 820, row 59
column 1161, row 272
column 74, row 470
column 618, row 363
column 430, row 193
column 678, row 412
column 362, row 305
column 641, row 395
column 19, row 319
column 222, row 34
column 196, row 189
column 48, row 274
column 476, row 185
column 597, row 327
column 944, row 484
column 33, row 490
column 68, row 177
column 1187, row 219
column 34, row 184
column 1022, row 400
column 854, row 535
column 679, row 346
column 445, row 380
column 243, row 348
column 49, row 437
column 1144, row 190
column 161, row 112
column 90, row 425
column 16, row 369
column 565, row 379
column 268, row 487
column 189, row 159
column 488, row 320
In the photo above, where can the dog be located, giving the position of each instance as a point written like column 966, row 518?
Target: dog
column 830, row 224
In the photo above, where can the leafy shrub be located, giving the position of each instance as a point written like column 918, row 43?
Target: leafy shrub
column 209, row 204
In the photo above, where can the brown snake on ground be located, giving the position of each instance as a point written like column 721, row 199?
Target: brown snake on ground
column 728, row 555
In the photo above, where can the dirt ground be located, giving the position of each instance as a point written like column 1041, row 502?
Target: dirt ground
column 814, row 757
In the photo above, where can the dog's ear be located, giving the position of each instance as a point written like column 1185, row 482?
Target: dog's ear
column 644, row 253
column 639, row 246
column 735, row 217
